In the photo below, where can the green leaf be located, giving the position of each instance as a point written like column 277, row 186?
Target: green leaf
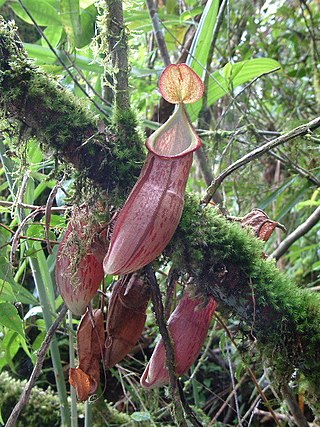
column 9, row 346
column 87, row 19
column 42, row 12
column 9, row 317
column 6, row 292
column 198, row 55
column 141, row 416
column 10, row 290
column 86, row 3
column 223, row 81
column 70, row 18
column 44, row 55
column 2, row 2
column 53, row 33
column 275, row 194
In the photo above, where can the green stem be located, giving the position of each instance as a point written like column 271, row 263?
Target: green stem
column 47, row 308
column 74, row 412
column 87, row 414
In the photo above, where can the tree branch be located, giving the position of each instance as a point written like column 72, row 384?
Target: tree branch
column 168, row 344
column 116, row 35
column 25, row 395
column 300, row 231
column 258, row 152
column 158, row 33
column 61, row 124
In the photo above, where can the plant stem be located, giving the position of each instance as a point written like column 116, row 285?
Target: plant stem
column 158, row 33
column 168, row 345
column 25, row 395
column 74, row 412
column 300, row 231
column 47, row 308
column 87, row 414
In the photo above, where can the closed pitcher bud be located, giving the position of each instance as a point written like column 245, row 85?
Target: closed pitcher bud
column 188, row 326
column 79, row 269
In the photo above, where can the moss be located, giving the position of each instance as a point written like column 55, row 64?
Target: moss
column 226, row 260
column 43, row 407
column 111, row 158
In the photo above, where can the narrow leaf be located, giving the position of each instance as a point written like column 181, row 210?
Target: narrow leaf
column 198, row 55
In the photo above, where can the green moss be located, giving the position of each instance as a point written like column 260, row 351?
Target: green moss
column 111, row 158
column 284, row 318
column 43, row 407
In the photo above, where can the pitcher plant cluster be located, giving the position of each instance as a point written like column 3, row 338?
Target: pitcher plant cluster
column 140, row 233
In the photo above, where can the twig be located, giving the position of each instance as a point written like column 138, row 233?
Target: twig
column 250, row 372
column 191, row 415
column 295, row 167
column 64, row 65
column 225, row 403
column 25, row 395
column 171, row 286
column 233, row 386
column 16, row 238
column 258, row 152
column 168, row 345
column 300, row 231
column 33, row 207
column 294, row 408
column 282, row 417
column 157, row 32
column 48, row 209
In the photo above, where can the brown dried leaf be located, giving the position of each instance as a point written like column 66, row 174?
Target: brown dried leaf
column 260, row 223
column 84, row 384
column 90, row 338
column 126, row 318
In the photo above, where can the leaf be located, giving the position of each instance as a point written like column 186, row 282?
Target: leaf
column 275, row 194
column 222, row 82
column 10, row 290
column 44, row 55
column 70, row 18
column 53, row 33
column 198, row 54
column 180, row 84
column 42, row 12
column 141, row 416
column 88, row 19
column 9, row 317
column 86, row 3
column 6, row 292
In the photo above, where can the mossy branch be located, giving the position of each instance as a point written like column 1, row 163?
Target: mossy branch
column 61, row 123
column 116, row 35
column 224, row 259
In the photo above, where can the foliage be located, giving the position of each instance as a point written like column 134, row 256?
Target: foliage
column 246, row 103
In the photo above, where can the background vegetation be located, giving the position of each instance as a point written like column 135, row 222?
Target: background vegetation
column 260, row 64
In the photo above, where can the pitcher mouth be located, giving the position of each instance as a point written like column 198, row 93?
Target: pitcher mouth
column 175, row 138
